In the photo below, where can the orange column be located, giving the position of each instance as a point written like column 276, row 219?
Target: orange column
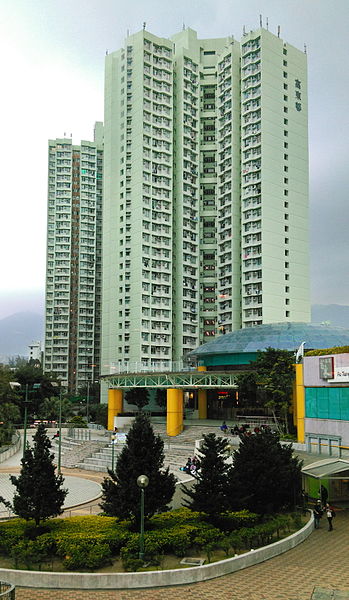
column 115, row 406
column 174, row 411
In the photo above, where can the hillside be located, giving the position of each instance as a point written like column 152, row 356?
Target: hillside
column 18, row 331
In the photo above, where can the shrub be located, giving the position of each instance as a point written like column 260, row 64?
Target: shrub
column 82, row 556
column 230, row 521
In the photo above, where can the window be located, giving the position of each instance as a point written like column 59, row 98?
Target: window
column 285, row 74
column 286, row 180
column 287, row 264
column 285, row 168
column 286, row 252
column 285, row 132
column 285, row 156
column 286, row 216
column 285, row 121
column 285, row 63
column 286, row 240
column 287, row 276
column 287, row 289
column 285, row 107
column 285, row 192
column 287, row 300
column 209, row 52
column 285, row 86
column 285, row 144
column 284, row 51
column 286, row 204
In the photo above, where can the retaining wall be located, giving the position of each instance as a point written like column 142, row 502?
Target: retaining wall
column 11, row 450
column 40, row 579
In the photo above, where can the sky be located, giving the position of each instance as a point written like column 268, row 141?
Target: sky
column 52, row 66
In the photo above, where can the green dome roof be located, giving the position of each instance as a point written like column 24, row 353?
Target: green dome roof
column 283, row 336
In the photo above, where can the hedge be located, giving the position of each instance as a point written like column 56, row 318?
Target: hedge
column 87, row 543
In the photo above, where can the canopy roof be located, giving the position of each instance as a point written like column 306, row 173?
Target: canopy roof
column 331, row 468
column 283, row 336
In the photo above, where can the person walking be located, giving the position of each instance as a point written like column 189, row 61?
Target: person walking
column 318, row 512
column 330, row 514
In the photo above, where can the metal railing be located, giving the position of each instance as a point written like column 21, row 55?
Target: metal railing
column 7, row 591
column 158, row 367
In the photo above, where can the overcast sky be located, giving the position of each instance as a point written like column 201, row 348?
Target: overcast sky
column 52, row 54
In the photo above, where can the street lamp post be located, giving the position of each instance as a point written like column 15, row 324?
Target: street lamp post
column 142, row 482
column 60, row 432
column 26, row 402
column 88, row 401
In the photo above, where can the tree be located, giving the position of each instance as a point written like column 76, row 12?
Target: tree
column 266, row 477
column 161, row 397
column 137, row 396
column 247, row 388
column 49, row 409
column 143, row 454
column 39, row 493
column 210, row 491
column 30, row 375
column 276, row 375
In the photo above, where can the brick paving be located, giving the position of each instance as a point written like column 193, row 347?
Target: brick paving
column 316, row 569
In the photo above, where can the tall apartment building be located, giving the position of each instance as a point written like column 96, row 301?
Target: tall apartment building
column 205, row 223
column 73, row 271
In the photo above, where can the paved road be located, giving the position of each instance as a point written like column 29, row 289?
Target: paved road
column 309, row 571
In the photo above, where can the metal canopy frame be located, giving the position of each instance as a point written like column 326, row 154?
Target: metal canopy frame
column 187, row 381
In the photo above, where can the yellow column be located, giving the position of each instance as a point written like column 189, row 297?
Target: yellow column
column 114, row 406
column 299, row 403
column 202, row 398
column 174, row 411
column 202, row 404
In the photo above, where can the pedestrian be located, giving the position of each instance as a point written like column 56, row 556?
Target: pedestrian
column 318, row 512
column 324, row 495
column 330, row 514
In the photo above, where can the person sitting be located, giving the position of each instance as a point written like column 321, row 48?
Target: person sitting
column 56, row 435
column 224, row 427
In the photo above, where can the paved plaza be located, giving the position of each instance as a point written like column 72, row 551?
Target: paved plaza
column 314, row 570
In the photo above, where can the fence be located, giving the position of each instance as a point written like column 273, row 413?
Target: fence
column 7, row 591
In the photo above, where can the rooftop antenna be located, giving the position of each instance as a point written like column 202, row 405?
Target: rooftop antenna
column 278, row 31
column 144, row 25
column 71, row 135
column 244, row 30
column 267, row 24
column 64, row 134
column 260, row 21
column 183, row 26
column 305, row 48
column 107, row 52
column 127, row 33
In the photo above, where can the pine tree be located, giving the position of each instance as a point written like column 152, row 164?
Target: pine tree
column 39, row 493
column 143, row 454
column 209, row 493
column 266, row 477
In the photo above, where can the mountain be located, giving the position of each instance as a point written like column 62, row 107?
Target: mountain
column 18, row 331
column 336, row 314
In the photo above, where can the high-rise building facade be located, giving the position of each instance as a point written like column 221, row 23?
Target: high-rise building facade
column 205, row 222
column 73, row 271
